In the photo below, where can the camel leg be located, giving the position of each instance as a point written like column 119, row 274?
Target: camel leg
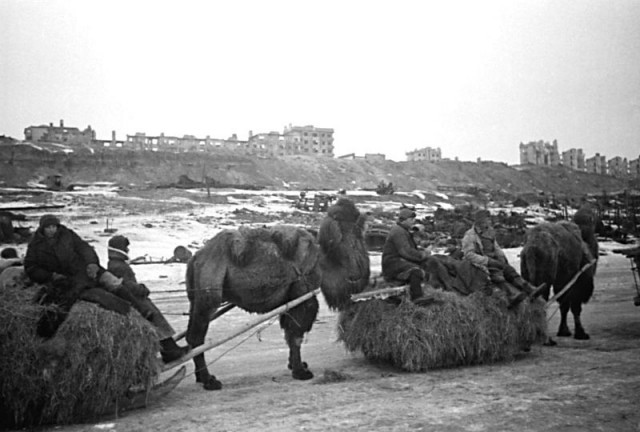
column 296, row 323
column 576, row 310
column 563, row 330
column 196, row 332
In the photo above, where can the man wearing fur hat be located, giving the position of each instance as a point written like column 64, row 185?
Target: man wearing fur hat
column 480, row 247
column 70, row 269
column 119, row 265
column 401, row 258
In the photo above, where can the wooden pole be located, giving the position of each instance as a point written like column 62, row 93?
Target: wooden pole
column 570, row 283
column 248, row 326
column 218, row 313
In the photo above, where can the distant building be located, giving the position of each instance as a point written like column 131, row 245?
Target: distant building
column 271, row 144
column 295, row 140
column 186, row 143
column 370, row 157
column 425, row 154
column 308, row 140
column 574, row 159
column 596, row 164
column 618, row 167
column 634, row 168
column 539, row 153
column 59, row 134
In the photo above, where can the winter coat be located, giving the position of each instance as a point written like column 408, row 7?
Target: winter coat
column 400, row 253
column 66, row 254
column 475, row 252
column 119, row 266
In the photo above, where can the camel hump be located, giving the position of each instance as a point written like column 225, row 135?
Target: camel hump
column 245, row 244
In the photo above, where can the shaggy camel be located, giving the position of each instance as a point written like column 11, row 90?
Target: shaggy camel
column 261, row 269
column 553, row 253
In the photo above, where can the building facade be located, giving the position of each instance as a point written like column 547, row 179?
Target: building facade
column 574, row 159
column 539, row 153
column 634, row 168
column 425, row 154
column 59, row 134
column 308, row 140
column 618, row 167
column 596, row 164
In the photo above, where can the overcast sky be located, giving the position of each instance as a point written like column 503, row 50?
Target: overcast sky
column 474, row 78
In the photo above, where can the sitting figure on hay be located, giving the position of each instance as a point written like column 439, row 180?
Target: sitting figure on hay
column 480, row 247
column 138, row 296
column 401, row 259
column 69, row 269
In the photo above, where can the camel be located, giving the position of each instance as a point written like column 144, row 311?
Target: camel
column 553, row 253
column 260, row 269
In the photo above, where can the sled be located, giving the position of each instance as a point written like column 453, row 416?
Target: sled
column 380, row 294
column 141, row 398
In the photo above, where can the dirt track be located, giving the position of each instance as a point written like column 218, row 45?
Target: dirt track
column 576, row 386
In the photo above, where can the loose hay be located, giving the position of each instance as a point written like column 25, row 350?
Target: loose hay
column 79, row 374
column 456, row 331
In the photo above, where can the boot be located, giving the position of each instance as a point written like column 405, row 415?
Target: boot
column 523, row 285
column 415, row 289
column 514, row 296
column 170, row 351
column 538, row 291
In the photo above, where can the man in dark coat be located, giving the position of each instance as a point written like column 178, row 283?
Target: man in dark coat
column 56, row 253
column 401, row 258
column 119, row 265
column 69, row 269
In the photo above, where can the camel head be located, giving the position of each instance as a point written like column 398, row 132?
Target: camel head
column 344, row 260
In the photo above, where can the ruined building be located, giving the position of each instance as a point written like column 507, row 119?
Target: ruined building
column 59, row 134
column 539, row 153
column 574, row 159
column 425, row 154
column 295, row 140
column 618, row 166
column 597, row 164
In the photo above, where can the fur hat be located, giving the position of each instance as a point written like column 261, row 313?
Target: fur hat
column 481, row 215
column 406, row 213
column 119, row 242
column 49, row 219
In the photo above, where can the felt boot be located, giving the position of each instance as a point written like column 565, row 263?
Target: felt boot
column 170, row 351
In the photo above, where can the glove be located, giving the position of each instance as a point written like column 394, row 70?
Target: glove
column 495, row 263
column 425, row 254
column 92, row 270
column 139, row 290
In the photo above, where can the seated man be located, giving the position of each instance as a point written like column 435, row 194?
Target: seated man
column 119, row 266
column 480, row 247
column 69, row 269
column 401, row 258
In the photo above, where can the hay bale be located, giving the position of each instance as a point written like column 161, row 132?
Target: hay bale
column 454, row 331
column 78, row 375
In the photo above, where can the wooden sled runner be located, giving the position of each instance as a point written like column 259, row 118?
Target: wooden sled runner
column 142, row 398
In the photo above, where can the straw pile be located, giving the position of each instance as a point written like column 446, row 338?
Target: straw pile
column 453, row 331
column 79, row 374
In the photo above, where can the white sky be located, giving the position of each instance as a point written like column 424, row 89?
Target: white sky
column 474, row 78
